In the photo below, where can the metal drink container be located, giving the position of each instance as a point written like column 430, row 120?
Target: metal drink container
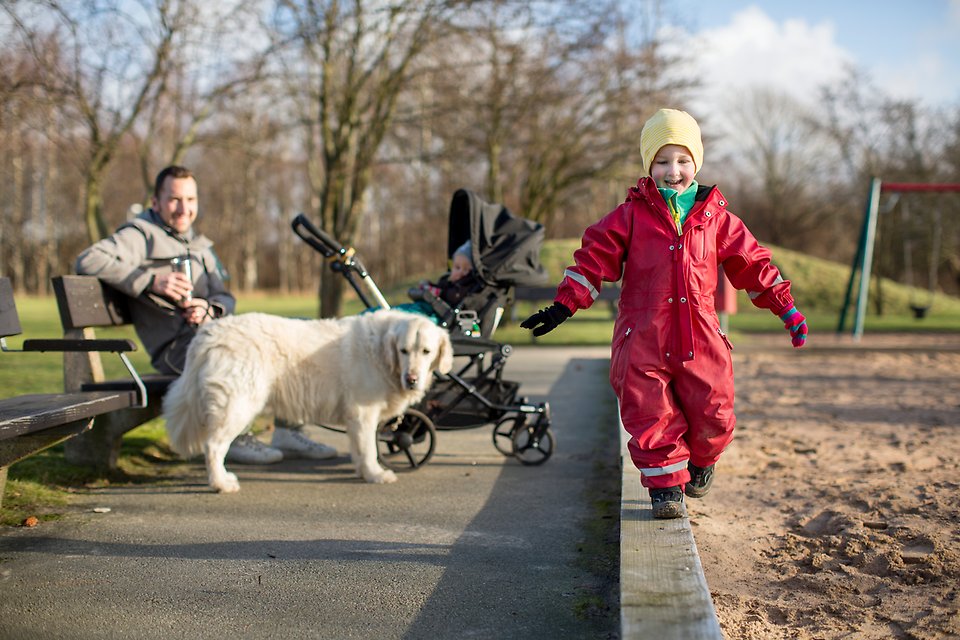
column 181, row 264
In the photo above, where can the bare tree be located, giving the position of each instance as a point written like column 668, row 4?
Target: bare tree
column 550, row 97
column 116, row 56
column 32, row 193
column 783, row 166
column 352, row 60
column 587, row 131
column 248, row 157
column 850, row 118
column 221, row 56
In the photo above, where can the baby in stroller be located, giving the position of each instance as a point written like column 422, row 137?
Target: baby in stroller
column 447, row 301
column 462, row 280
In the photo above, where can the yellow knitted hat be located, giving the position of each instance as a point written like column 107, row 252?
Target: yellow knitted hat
column 670, row 126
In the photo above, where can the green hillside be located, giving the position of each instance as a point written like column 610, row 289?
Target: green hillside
column 818, row 285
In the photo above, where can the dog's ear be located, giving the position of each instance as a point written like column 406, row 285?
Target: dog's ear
column 389, row 343
column 444, row 361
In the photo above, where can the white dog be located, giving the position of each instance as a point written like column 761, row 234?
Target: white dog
column 351, row 372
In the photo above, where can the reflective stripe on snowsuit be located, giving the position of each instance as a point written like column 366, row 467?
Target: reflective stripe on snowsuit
column 670, row 363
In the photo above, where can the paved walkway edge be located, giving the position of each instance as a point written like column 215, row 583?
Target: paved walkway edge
column 663, row 592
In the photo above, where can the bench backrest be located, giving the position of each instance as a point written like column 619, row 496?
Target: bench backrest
column 85, row 301
column 9, row 319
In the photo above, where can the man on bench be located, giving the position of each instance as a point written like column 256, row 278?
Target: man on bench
column 176, row 283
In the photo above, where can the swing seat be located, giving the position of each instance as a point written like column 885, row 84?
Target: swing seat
column 919, row 312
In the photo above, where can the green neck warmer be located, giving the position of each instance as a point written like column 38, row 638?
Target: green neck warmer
column 680, row 204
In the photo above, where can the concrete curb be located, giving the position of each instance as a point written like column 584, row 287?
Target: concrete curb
column 663, row 592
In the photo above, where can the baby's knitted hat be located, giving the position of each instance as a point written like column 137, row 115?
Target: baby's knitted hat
column 670, row 126
column 466, row 249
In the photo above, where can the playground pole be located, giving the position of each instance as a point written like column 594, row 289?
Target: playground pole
column 841, row 325
column 870, row 233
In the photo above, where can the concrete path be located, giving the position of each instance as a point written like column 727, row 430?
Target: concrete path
column 473, row 545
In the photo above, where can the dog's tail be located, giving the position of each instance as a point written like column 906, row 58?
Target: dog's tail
column 187, row 404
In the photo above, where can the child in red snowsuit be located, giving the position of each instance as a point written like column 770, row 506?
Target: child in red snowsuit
column 670, row 362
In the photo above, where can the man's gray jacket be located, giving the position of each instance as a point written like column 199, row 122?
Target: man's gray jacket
column 133, row 256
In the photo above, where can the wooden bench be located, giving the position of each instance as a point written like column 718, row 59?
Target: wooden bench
column 85, row 303
column 31, row 423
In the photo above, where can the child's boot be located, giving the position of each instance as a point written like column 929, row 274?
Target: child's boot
column 667, row 503
column 700, row 480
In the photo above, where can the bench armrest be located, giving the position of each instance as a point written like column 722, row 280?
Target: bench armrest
column 73, row 346
column 118, row 346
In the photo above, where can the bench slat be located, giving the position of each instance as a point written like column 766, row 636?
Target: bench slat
column 84, row 301
column 35, row 412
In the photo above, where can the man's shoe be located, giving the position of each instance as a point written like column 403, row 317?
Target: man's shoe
column 294, row 444
column 248, row 450
column 700, row 480
column 667, row 503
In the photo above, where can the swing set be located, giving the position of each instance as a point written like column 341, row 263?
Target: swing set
column 863, row 261
column 920, row 309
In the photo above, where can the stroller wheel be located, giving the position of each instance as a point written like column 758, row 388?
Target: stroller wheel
column 530, row 448
column 406, row 442
column 503, row 433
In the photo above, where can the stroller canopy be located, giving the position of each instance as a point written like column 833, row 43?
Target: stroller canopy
column 506, row 248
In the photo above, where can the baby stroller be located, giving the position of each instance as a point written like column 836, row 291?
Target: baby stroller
column 506, row 253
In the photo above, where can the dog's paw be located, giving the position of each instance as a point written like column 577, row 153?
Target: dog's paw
column 226, row 484
column 385, row 476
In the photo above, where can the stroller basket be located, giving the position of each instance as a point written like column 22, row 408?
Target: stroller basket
column 506, row 254
column 463, row 409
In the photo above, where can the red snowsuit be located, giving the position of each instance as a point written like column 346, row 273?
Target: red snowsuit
column 670, row 363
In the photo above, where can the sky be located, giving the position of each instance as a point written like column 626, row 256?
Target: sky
column 909, row 48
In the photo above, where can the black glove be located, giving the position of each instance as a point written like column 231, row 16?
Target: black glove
column 547, row 320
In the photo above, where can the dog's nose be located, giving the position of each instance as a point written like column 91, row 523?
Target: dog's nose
column 412, row 380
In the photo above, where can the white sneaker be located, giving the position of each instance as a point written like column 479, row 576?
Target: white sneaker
column 248, row 450
column 294, row 444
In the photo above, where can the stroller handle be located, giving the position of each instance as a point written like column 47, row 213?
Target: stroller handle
column 316, row 237
column 342, row 260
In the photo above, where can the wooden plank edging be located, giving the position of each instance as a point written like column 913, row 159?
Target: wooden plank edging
column 663, row 592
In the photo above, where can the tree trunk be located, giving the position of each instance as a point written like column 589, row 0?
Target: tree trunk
column 93, row 205
column 251, row 226
column 15, row 256
column 51, row 241
column 331, row 294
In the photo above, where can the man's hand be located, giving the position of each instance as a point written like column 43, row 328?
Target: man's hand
column 174, row 286
column 546, row 320
column 198, row 312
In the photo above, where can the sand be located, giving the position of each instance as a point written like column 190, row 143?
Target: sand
column 836, row 510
